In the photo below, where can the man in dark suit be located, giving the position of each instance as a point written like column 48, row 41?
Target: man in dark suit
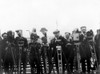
column 21, row 50
column 45, row 51
column 69, row 52
column 97, row 45
column 8, row 51
column 58, row 40
column 85, row 51
column 34, row 56
column 2, row 47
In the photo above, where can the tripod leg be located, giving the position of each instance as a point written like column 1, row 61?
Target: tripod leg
column 59, row 55
column 13, row 56
column 19, row 65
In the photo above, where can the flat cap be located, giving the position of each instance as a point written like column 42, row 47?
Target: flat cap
column 34, row 35
column 67, row 33
column 43, row 29
column 56, row 31
column 19, row 30
column 83, row 27
column 4, row 34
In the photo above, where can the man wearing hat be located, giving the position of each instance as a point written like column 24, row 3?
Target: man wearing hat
column 69, row 52
column 45, row 51
column 34, row 35
column 83, row 29
column 44, row 32
column 10, row 49
column 56, row 41
column 3, row 44
column 21, row 42
column 4, row 35
column 85, row 50
column 34, row 56
column 97, row 45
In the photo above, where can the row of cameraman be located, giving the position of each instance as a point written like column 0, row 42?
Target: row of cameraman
column 10, row 50
column 77, row 48
column 17, row 50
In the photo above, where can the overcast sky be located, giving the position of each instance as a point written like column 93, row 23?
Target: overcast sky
column 68, row 14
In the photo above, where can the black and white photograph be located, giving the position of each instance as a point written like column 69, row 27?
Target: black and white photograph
column 49, row 36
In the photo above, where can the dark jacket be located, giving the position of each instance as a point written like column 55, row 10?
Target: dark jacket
column 60, row 41
column 21, row 42
column 97, row 47
column 85, row 50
